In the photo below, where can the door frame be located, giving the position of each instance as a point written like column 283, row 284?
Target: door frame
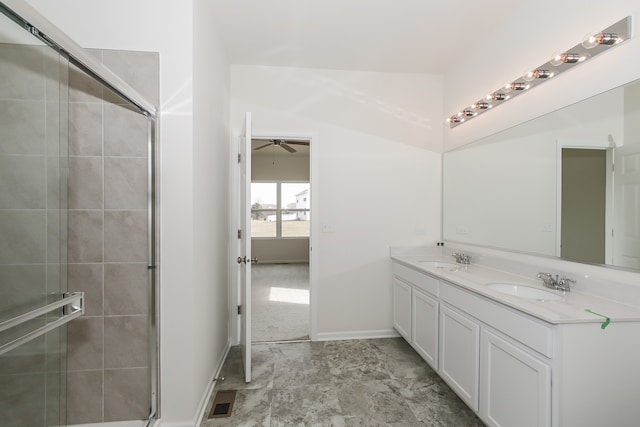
column 234, row 246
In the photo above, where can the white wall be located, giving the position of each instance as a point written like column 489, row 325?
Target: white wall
column 210, row 309
column 194, row 178
column 526, row 41
column 377, row 141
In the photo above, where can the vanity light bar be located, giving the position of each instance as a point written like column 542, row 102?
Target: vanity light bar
column 591, row 46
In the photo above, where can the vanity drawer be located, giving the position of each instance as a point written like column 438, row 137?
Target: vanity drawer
column 520, row 327
column 416, row 278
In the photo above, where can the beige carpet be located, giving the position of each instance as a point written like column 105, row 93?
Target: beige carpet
column 279, row 302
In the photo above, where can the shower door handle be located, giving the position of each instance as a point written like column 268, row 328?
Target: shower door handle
column 244, row 260
column 72, row 305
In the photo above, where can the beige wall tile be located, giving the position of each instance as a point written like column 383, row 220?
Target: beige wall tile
column 85, row 183
column 85, row 129
column 125, row 342
column 83, row 88
column 125, row 132
column 29, row 358
column 22, row 237
column 85, row 343
column 56, row 244
column 21, row 72
column 125, row 184
column 22, row 126
column 24, row 288
column 138, row 69
column 125, row 236
column 84, row 397
column 85, row 236
column 22, row 400
column 126, row 394
column 22, row 182
column 126, row 289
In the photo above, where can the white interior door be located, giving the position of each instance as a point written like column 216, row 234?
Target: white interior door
column 626, row 237
column 244, row 259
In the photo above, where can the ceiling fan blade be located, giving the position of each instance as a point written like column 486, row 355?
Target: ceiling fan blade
column 298, row 142
column 288, row 148
column 263, row 146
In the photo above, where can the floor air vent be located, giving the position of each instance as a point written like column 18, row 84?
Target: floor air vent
column 223, row 404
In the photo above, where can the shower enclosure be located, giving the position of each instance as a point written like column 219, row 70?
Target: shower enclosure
column 78, row 288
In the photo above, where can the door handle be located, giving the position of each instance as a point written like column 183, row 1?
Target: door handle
column 244, row 260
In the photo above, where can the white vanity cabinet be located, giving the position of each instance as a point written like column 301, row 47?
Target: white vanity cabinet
column 516, row 386
column 402, row 308
column 497, row 360
column 534, row 364
column 459, row 354
column 416, row 308
column 424, row 310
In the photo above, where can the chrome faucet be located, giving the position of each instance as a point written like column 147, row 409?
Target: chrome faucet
column 462, row 258
column 557, row 283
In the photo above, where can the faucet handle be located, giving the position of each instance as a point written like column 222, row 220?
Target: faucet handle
column 565, row 279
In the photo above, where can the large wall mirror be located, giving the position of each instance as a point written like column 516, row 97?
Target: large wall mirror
column 566, row 184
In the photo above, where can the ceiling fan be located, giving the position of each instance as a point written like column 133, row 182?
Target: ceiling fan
column 282, row 143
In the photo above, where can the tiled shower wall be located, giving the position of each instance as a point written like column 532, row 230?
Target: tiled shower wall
column 108, row 356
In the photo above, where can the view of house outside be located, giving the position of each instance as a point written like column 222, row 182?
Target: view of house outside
column 280, row 209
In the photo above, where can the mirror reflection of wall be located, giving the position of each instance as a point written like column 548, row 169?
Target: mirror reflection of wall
column 507, row 191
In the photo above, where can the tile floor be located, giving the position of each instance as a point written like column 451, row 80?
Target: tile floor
column 380, row 382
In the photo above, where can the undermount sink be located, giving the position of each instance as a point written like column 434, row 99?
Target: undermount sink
column 440, row 264
column 523, row 291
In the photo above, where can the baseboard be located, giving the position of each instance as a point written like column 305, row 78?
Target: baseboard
column 204, row 401
column 355, row 335
column 136, row 423
column 199, row 415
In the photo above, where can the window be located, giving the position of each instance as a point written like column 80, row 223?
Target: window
column 280, row 209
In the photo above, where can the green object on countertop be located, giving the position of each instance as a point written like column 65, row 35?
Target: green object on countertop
column 605, row 323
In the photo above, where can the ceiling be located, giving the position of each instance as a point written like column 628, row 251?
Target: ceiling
column 413, row 36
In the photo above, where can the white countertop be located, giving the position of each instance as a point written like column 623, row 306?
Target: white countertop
column 571, row 309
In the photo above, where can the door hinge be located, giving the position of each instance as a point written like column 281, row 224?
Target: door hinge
column 239, row 158
column 239, row 309
column 239, row 234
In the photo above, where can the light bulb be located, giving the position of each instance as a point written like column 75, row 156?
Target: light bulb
column 481, row 105
column 591, row 41
column 542, row 74
column 507, row 88
column 519, row 86
column 496, row 96
column 469, row 113
column 529, row 76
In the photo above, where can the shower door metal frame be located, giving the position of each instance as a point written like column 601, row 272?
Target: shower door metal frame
column 32, row 21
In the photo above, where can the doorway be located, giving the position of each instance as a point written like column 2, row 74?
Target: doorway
column 584, row 204
column 280, row 233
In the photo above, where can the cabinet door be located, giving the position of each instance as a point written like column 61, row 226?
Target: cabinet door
column 402, row 308
column 516, row 387
column 425, row 327
column 459, row 354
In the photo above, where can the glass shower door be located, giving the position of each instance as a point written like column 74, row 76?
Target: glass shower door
column 34, row 306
